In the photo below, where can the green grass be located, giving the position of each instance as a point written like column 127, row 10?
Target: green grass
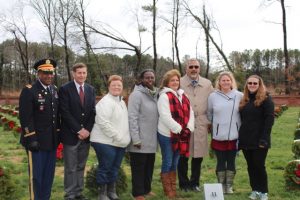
column 14, row 158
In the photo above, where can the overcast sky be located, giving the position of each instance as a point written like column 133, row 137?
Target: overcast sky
column 242, row 24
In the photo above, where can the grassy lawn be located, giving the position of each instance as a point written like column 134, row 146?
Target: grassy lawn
column 13, row 157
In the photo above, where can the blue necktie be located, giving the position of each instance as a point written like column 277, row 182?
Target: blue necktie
column 194, row 83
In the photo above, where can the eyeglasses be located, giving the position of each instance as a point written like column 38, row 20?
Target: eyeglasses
column 252, row 83
column 193, row 66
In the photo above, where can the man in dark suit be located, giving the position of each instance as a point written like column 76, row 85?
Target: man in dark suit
column 38, row 106
column 77, row 109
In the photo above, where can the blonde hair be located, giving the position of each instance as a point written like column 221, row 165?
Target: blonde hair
column 260, row 95
column 167, row 77
column 228, row 74
column 114, row 78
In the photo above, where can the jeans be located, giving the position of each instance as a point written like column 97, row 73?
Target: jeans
column 109, row 159
column 169, row 157
column 225, row 160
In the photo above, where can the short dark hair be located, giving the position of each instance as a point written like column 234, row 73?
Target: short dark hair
column 77, row 66
column 144, row 71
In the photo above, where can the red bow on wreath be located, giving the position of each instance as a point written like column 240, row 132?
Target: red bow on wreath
column 297, row 171
column 1, row 172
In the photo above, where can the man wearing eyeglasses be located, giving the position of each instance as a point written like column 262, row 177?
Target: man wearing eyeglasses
column 198, row 89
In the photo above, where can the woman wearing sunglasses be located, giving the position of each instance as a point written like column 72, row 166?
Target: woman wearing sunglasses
column 257, row 115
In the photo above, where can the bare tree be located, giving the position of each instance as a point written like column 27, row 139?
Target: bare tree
column 176, row 26
column 206, row 30
column 171, row 23
column 172, row 32
column 154, row 35
column 285, row 48
column 207, row 25
column 46, row 11
column 17, row 26
column 108, row 32
column 153, row 9
column 66, row 10
column 80, row 17
column 81, row 20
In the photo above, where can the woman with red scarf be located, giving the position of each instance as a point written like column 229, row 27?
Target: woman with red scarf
column 175, row 124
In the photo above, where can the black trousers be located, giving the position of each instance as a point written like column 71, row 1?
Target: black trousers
column 142, row 165
column 256, row 159
column 225, row 160
column 182, row 171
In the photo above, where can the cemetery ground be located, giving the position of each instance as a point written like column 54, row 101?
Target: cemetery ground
column 13, row 158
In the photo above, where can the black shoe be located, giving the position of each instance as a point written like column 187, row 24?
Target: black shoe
column 196, row 188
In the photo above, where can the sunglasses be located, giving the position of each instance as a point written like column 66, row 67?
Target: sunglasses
column 252, row 83
column 193, row 66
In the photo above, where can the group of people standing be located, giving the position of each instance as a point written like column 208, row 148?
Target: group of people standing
column 47, row 120
column 177, row 117
column 241, row 121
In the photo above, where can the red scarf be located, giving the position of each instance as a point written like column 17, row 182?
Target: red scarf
column 181, row 114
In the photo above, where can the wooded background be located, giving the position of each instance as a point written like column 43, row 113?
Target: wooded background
column 66, row 23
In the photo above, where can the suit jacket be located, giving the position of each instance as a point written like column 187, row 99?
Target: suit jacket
column 74, row 116
column 38, row 116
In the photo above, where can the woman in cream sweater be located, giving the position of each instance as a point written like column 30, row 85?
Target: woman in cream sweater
column 109, row 137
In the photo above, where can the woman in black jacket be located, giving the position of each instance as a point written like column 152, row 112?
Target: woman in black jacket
column 257, row 115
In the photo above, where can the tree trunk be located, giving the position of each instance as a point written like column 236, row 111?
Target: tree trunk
column 154, row 37
column 210, row 37
column 285, row 50
column 88, row 46
column 138, row 63
column 23, row 54
column 207, row 24
column 67, row 62
column 172, row 31
column 176, row 37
